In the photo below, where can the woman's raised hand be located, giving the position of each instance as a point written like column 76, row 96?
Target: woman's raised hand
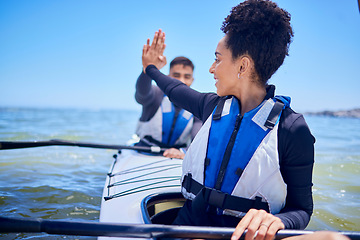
column 154, row 53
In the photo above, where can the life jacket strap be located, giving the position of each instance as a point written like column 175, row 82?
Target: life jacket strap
column 274, row 114
column 219, row 108
column 222, row 200
column 218, row 111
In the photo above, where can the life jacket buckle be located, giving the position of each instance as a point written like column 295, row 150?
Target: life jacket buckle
column 258, row 204
column 215, row 198
column 187, row 182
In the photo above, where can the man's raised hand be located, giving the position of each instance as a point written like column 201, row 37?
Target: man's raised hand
column 154, row 53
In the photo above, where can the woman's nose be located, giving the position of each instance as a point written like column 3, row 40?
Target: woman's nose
column 211, row 70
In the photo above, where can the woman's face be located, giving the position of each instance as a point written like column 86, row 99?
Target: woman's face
column 225, row 70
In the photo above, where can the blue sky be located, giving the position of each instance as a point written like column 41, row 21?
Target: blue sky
column 87, row 54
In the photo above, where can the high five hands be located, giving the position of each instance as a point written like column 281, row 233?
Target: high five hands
column 154, row 53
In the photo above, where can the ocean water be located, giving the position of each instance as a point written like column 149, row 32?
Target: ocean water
column 65, row 183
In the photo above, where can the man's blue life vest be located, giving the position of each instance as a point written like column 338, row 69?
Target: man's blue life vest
column 168, row 127
column 234, row 159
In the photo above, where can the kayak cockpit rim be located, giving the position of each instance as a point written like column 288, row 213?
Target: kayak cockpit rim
column 161, row 208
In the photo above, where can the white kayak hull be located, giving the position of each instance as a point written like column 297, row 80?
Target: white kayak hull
column 132, row 178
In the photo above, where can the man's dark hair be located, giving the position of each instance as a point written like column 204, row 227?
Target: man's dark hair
column 262, row 30
column 183, row 61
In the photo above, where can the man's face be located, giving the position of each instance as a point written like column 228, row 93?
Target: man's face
column 182, row 73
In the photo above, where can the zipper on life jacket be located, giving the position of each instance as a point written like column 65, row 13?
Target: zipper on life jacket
column 227, row 154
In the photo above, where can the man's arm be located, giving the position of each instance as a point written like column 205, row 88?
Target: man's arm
column 143, row 93
column 148, row 95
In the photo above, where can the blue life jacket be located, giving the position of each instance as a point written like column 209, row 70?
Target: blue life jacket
column 246, row 138
column 174, row 124
column 233, row 163
column 169, row 127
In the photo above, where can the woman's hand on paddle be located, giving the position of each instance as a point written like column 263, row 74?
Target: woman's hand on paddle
column 265, row 224
column 154, row 53
column 174, row 153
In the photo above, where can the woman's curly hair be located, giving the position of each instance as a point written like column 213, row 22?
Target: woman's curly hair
column 262, row 30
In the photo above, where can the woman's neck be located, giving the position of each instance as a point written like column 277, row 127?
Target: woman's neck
column 251, row 97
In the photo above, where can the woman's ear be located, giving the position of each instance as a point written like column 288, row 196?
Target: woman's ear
column 244, row 64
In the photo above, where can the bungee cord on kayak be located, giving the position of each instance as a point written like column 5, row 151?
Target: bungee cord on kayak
column 134, row 190
column 170, row 178
column 149, row 170
column 143, row 169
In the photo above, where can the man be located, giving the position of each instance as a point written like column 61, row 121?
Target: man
column 163, row 123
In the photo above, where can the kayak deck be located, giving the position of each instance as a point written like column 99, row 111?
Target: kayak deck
column 132, row 178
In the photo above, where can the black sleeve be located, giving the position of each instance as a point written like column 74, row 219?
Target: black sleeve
column 148, row 95
column 296, row 154
column 196, row 127
column 199, row 104
column 143, row 91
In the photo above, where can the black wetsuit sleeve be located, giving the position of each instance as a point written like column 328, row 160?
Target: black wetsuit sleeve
column 148, row 95
column 196, row 127
column 296, row 153
column 199, row 104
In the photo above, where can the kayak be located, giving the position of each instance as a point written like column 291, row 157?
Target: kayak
column 141, row 188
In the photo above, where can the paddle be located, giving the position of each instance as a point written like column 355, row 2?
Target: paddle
column 15, row 225
column 5, row 145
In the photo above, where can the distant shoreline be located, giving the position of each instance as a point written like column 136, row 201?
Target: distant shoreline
column 353, row 113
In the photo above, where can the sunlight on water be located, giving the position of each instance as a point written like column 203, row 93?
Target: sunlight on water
column 66, row 182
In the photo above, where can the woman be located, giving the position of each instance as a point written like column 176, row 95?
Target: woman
column 250, row 165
